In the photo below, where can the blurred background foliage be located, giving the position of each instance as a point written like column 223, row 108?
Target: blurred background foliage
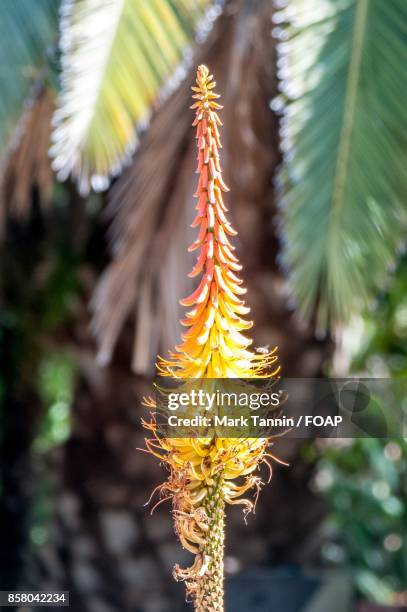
column 63, row 421
column 365, row 481
column 56, row 385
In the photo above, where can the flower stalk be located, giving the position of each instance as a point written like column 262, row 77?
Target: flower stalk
column 209, row 472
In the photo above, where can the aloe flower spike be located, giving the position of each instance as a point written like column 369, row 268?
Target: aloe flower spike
column 208, row 473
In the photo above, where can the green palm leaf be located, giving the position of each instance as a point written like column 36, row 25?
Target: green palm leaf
column 27, row 29
column 116, row 56
column 343, row 197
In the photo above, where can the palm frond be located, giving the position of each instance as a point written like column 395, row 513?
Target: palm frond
column 27, row 164
column 27, row 30
column 343, row 179
column 116, row 56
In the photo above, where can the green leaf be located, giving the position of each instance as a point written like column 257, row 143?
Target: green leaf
column 117, row 54
column 343, row 197
column 27, row 30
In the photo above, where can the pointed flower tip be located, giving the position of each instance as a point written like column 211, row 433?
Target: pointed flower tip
column 202, row 72
column 204, row 81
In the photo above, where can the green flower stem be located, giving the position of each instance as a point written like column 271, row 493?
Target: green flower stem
column 209, row 597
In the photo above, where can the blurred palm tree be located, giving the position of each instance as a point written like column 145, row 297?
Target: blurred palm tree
column 342, row 82
column 344, row 210
column 114, row 57
column 341, row 88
